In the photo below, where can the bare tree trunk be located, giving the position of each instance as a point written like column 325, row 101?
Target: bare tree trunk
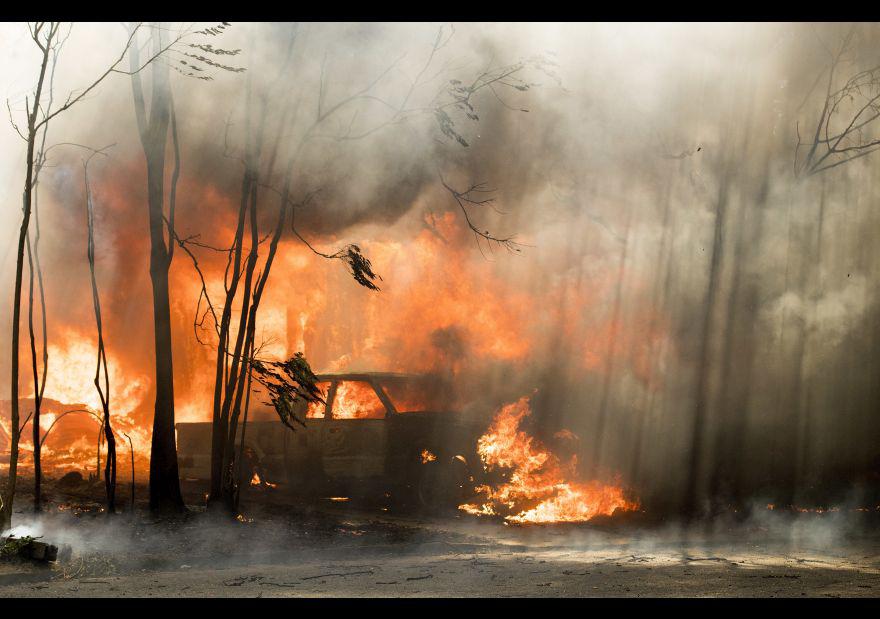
column 37, row 395
column 234, row 367
column 103, row 392
column 816, row 289
column 599, row 435
column 46, row 37
column 239, row 481
column 9, row 495
column 701, row 391
column 164, row 477
column 240, row 373
column 131, row 451
column 222, row 378
column 230, row 369
column 39, row 381
column 242, row 384
column 664, row 253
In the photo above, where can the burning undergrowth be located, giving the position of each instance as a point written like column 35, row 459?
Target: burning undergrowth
column 539, row 488
column 654, row 299
column 443, row 308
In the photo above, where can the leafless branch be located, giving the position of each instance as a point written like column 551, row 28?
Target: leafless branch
column 471, row 197
column 857, row 102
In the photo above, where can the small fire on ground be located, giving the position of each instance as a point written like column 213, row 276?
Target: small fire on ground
column 256, row 480
column 539, row 488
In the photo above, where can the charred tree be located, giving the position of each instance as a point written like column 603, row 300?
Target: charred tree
column 131, row 453
column 246, row 275
column 46, row 36
column 33, row 253
column 49, row 33
column 101, row 368
column 702, row 389
column 153, row 129
column 602, row 419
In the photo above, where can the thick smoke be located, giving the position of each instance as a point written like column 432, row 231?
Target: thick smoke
column 612, row 169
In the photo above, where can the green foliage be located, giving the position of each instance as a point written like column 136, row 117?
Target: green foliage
column 214, row 63
column 214, row 30
column 14, row 546
column 447, row 126
column 207, row 47
column 360, row 267
column 195, row 67
column 289, row 383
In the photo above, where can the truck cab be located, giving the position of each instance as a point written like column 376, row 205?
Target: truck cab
column 375, row 433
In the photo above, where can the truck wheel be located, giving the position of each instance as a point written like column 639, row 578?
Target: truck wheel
column 440, row 486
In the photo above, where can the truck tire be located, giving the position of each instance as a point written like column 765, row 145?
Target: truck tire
column 441, row 485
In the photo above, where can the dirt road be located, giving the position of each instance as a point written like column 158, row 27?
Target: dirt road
column 339, row 550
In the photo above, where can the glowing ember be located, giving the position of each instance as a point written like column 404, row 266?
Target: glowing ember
column 256, row 480
column 427, row 456
column 537, row 489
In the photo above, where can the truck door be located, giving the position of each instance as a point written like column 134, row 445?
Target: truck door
column 302, row 446
column 354, row 434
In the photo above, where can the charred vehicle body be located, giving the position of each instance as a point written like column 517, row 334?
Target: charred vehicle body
column 376, row 434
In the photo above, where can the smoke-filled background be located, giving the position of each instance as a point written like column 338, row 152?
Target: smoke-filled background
column 692, row 311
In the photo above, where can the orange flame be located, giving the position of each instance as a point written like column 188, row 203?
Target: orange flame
column 357, row 400
column 256, row 480
column 443, row 308
column 537, row 489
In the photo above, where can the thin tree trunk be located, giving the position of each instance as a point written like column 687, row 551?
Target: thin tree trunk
column 599, row 435
column 37, row 399
column 9, row 495
column 701, row 392
column 222, row 376
column 240, row 371
column 222, row 477
column 663, row 255
column 131, row 452
column 164, row 476
column 103, row 392
column 239, row 481
column 34, row 259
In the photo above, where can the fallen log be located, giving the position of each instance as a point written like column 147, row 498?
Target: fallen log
column 27, row 548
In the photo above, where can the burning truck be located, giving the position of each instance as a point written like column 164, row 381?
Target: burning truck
column 374, row 433
column 384, row 433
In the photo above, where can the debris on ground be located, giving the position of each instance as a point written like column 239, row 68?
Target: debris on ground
column 27, row 548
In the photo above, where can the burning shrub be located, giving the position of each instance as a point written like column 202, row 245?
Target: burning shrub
column 537, row 488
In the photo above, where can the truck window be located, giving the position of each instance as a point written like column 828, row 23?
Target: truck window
column 414, row 396
column 316, row 410
column 357, row 399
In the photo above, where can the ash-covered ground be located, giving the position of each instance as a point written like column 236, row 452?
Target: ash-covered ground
column 289, row 547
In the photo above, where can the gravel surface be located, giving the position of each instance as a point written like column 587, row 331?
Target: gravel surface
column 282, row 548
